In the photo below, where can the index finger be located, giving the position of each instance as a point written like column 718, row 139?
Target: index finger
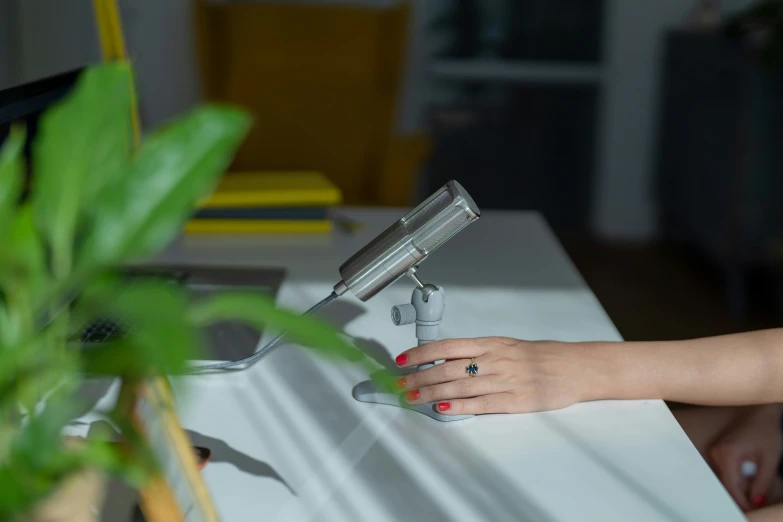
column 762, row 482
column 441, row 350
column 736, row 484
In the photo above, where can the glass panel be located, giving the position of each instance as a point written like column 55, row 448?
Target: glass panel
column 520, row 30
column 531, row 147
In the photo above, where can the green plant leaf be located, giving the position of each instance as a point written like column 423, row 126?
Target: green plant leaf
column 258, row 310
column 14, row 357
column 7, row 333
column 26, row 255
column 158, row 337
column 113, row 459
column 172, row 170
column 144, row 463
column 16, row 498
column 385, row 380
column 37, row 461
column 11, row 170
column 25, row 244
column 39, row 442
column 23, row 278
column 83, row 143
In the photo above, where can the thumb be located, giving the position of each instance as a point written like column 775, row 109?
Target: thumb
column 761, row 484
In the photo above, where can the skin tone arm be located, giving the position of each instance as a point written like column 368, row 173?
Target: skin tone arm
column 727, row 437
column 767, row 514
column 736, row 369
column 518, row 376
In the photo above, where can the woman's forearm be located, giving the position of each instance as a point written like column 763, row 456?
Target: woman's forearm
column 767, row 514
column 736, row 369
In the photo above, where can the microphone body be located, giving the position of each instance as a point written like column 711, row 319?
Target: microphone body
column 407, row 242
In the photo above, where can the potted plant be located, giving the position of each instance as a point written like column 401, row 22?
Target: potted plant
column 95, row 204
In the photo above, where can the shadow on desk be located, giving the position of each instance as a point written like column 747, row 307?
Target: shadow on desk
column 328, row 407
column 371, row 460
column 469, row 476
column 631, row 482
column 340, row 314
column 121, row 501
column 222, row 452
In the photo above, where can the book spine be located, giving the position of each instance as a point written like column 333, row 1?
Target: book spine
column 240, row 226
column 307, row 213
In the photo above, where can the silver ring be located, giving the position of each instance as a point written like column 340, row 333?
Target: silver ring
column 472, row 368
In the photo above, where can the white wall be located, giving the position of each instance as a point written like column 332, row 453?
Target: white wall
column 159, row 36
column 54, row 37
column 62, row 35
column 623, row 202
column 8, row 56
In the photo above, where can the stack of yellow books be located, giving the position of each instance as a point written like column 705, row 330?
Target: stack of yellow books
column 267, row 202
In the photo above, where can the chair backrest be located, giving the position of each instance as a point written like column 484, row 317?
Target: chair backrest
column 322, row 82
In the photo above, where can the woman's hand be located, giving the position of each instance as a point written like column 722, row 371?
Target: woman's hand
column 513, row 376
column 767, row 514
column 756, row 437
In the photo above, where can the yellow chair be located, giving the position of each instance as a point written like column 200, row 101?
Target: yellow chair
column 322, row 82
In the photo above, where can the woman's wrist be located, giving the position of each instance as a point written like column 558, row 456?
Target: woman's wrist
column 680, row 371
column 623, row 371
column 724, row 371
column 609, row 371
column 731, row 370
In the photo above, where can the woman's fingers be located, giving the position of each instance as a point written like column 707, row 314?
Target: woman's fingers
column 444, row 372
column 495, row 403
column 730, row 473
column 441, row 350
column 761, row 484
column 737, row 486
column 461, row 388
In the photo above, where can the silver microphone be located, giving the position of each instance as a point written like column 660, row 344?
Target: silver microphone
column 407, row 242
column 389, row 256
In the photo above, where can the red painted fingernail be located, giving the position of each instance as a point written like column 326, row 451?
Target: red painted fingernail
column 401, row 383
column 412, row 395
column 402, row 359
column 203, row 455
column 759, row 500
column 444, row 406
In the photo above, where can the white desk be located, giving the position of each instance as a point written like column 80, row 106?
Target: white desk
column 293, row 415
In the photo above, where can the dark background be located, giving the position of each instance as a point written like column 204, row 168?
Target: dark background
column 647, row 133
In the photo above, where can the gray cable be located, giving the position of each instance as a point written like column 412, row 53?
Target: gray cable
column 251, row 359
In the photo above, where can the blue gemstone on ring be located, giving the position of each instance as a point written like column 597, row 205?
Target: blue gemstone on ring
column 472, row 368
